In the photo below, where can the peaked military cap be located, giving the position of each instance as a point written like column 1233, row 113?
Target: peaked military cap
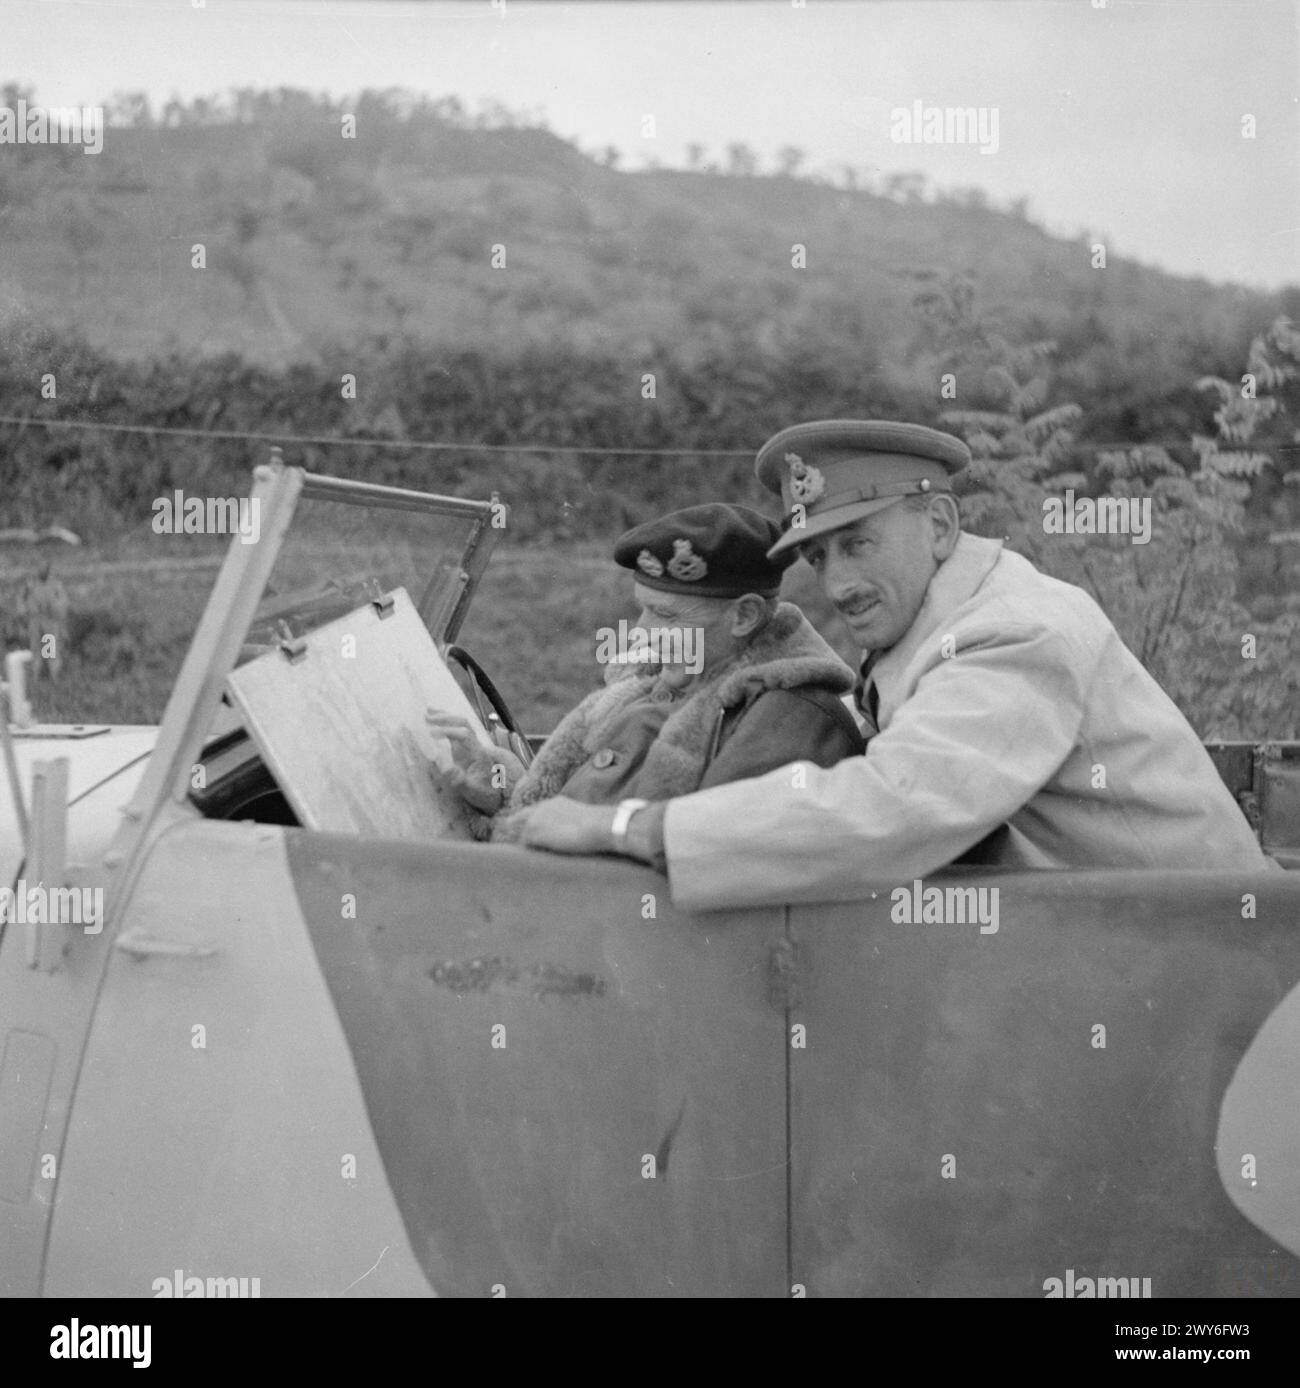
column 713, row 551
column 832, row 472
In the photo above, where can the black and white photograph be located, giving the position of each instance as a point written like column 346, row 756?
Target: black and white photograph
column 649, row 649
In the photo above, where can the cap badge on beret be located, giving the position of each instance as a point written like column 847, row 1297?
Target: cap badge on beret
column 685, row 564
column 806, row 482
column 648, row 564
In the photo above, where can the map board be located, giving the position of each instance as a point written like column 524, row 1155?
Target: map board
column 338, row 716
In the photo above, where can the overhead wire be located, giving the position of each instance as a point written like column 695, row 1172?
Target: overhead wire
column 444, row 446
column 335, row 440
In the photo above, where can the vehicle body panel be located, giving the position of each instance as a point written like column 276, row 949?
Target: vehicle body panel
column 227, row 1158
column 45, row 1015
column 930, row 1040
column 921, row 1041
column 520, row 1157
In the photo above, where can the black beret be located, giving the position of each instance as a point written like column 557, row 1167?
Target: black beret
column 713, row 551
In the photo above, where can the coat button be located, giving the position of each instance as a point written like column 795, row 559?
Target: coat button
column 603, row 758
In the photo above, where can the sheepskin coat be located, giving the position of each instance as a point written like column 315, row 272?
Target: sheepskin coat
column 777, row 703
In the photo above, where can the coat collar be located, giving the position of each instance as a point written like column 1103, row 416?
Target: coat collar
column 787, row 654
column 957, row 580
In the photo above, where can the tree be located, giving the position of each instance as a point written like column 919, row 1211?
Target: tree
column 1173, row 600
column 130, row 110
column 788, row 161
column 247, row 105
column 450, row 110
column 494, row 115
column 742, row 162
column 10, row 95
column 906, row 186
column 972, row 197
column 694, row 156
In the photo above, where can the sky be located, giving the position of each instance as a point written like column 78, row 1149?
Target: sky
column 1122, row 118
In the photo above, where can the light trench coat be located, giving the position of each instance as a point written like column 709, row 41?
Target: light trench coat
column 1011, row 704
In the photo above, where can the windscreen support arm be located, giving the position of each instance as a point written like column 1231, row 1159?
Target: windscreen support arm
column 198, row 688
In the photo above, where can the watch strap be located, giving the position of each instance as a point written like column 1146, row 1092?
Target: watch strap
column 622, row 818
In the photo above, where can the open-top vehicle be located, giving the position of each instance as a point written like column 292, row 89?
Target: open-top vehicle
column 319, row 1043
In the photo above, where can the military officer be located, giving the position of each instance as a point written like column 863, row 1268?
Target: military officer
column 1009, row 719
column 741, row 682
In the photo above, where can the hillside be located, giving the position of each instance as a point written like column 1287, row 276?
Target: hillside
column 327, row 258
column 313, row 242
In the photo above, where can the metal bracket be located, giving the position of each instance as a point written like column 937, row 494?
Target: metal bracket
column 46, row 868
column 383, row 605
column 294, row 651
column 1277, row 784
column 783, row 990
column 11, row 771
column 138, row 943
column 15, row 685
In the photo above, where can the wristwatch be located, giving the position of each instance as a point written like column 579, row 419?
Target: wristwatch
column 622, row 818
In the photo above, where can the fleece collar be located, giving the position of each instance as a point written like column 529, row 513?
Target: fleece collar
column 786, row 654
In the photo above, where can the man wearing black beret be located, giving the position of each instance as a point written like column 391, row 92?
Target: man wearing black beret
column 718, row 682
column 1005, row 715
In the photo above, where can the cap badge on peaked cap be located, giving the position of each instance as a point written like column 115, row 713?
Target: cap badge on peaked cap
column 861, row 466
column 806, row 482
column 648, row 564
column 685, row 564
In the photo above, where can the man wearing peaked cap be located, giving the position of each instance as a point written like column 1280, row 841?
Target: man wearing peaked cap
column 716, row 682
column 835, row 476
column 1007, row 721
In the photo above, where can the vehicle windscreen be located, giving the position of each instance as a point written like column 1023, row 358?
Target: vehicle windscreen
column 339, row 554
column 125, row 610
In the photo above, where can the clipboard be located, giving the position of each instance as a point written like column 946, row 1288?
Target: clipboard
column 338, row 716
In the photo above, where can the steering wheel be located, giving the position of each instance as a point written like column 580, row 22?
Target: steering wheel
column 482, row 686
